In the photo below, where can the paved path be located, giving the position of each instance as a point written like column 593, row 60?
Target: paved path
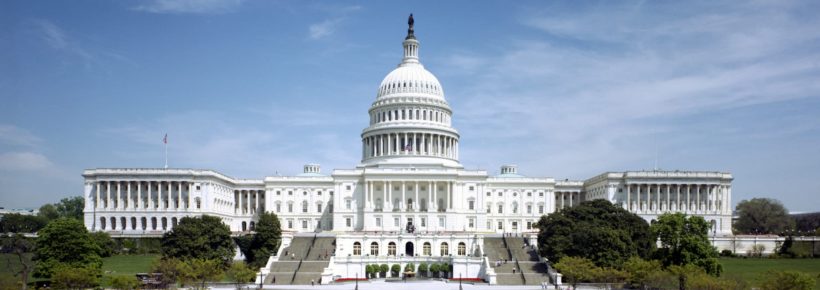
column 381, row 285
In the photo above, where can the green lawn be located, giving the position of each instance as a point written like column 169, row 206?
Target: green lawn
column 753, row 270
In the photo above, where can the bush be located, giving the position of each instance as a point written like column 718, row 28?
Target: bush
column 727, row 253
column 793, row 280
column 394, row 270
column 124, row 282
column 757, row 251
column 423, row 269
column 445, row 268
column 410, row 267
column 368, row 271
column 68, row 277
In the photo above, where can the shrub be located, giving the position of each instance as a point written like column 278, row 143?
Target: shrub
column 410, row 267
column 727, row 253
column 792, row 280
column 124, row 282
column 757, row 250
column 445, row 268
column 434, row 269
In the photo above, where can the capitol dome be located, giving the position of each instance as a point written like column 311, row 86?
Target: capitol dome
column 410, row 78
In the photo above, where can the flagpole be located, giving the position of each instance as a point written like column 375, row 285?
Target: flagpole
column 165, row 142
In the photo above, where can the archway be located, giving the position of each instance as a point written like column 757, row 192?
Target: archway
column 409, row 249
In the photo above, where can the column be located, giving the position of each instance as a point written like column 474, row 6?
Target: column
column 688, row 197
column 119, row 195
column 563, row 204
column 190, row 199
column 140, row 204
column 434, row 190
column 658, row 197
column 150, row 195
column 99, row 184
column 416, row 200
column 366, row 197
column 697, row 196
column 403, row 189
column 179, row 196
column 638, row 189
column 257, row 201
column 668, row 194
column 450, row 195
column 628, row 197
column 388, row 196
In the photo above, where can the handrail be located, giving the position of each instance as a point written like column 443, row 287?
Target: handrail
column 293, row 278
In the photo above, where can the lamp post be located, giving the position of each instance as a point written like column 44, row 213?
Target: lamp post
column 357, row 282
column 459, row 282
column 260, row 279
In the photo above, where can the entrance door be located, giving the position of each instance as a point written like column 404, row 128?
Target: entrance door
column 409, row 249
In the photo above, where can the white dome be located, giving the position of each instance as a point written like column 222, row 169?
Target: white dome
column 410, row 78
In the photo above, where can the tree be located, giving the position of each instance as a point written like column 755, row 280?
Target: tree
column 445, row 268
column 640, row 271
column 70, row 277
column 576, row 269
column 168, row 269
column 368, row 271
column 124, row 282
column 783, row 280
column 48, row 212
column 383, row 268
column 65, row 242
column 71, row 207
column 104, row 242
column 204, row 237
column 762, row 216
column 19, row 246
column 597, row 230
column 435, row 268
column 265, row 241
column 202, row 270
column 240, row 273
column 19, row 223
column 684, row 240
column 394, row 270
column 423, row 269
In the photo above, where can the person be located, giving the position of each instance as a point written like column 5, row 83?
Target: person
column 274, row 279
column 312, row 283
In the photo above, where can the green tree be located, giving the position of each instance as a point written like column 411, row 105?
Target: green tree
column 70, row 277
column 383, row 268
column 240, row 274
column 265, row 241
column 48, row 212
column 65, row 242
column 394, row 270
column 19, row 223
column 684, row 240
column 435, row 268
column 202, row 271
column 640, row 271
column 204, row 237
column 791, row 280
column 368, row 271
column 71, row 207
column 104, row 242
column 125, row 282
column 19, row 246
column 576, row 269
column 762, row 216
column 168, row 268
column 423, row 269
column 597, row 230
column 445, row 269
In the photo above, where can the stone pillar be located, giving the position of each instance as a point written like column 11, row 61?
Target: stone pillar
column 388, row 204
column 416, row 200
column 433, row 193
column 99, row 184
column 179, row 196
column 402, row 206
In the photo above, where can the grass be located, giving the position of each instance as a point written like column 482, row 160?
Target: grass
column 753, row 270
column 125, row 265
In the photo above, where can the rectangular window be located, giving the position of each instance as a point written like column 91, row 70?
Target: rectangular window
column 471, row 204
column 348, row 222
column 348, row 204
column 489, row 208
column 347, row 187
column 441, row 222
column 500, row 225
column 278, row 207
column 319, row 208
column 500, row 208
column 489, row 225
column 529, row 225
column 541, row 194
column 197, row 187
column 378, row 222
column 423, row 222
column 395, row 222
column 304, row 224
column 529, row 209
column 472, row 188
column 290, row 207
column 290, row 192
column 471, row 223
column 541, row 209
column 290, row 224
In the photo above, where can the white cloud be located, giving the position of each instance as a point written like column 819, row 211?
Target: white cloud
column 13, row 135
column 24, row 161
column 324, row 28
column 190, row 6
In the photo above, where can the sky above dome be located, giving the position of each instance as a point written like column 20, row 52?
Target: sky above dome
column 565, row 90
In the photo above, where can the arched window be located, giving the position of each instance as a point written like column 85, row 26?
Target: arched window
column 462, row 249
column 445, row 249
column 154, row 223
column 113, row 223
column 173, row 222
column 133, row 223
column 374, row 249
column 426, row 249
column 391, row 249
column 357, row 249
column 122, row 223
column 102, row 223
column 244, row 226
column 164, row 224
column 253, row 226
column 144, row 223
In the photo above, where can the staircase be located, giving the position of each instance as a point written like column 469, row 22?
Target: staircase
column 303, row 261
column 521, row 257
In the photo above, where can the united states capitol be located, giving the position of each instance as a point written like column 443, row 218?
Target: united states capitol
column 410, row 199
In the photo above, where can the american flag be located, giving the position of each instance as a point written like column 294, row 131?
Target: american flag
column 408, row 147
column 165, row 139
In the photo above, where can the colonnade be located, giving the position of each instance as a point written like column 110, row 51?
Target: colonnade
column 130, row 195
column 678, row 197
column 249, row 201
column 565, row 199
column 409, row 114
column 413, row 200
column 423, row 144
column 135, row 223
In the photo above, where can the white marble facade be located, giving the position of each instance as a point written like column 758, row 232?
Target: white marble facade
column 409, row 174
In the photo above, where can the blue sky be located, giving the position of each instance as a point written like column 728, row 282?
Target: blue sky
column 567, row 89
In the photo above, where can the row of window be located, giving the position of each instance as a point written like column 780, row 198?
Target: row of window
column 444, row 249
column 305, row 207
column 514, row 208
column 529, row 193
column 305, row 193
column 514, row 225
column 409, row 114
